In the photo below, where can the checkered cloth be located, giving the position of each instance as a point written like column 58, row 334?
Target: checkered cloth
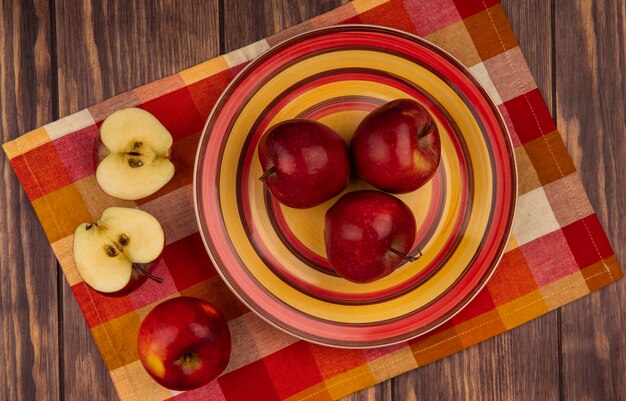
column 558, row 251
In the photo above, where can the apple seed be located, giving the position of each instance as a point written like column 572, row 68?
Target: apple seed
column 134, row 163
column 124, row 240
column 110, row 251
column 88, row 226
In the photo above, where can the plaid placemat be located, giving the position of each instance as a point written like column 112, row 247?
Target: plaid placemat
column 558, row 251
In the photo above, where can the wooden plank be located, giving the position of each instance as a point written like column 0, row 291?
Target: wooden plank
column 28, row 281
column 522, row 363
column 591, row 104
column 248, row 21
column 105, row 48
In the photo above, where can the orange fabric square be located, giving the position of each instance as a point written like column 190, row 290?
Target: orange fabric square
column 60, row 212
column 437, row 346
column 512, row 278
column 491, row 32
column 26, row 142
column 319, row 392
column 393, row 364
column 480, row 328
column 550, row 157
column 117, row 340
column 602, row 273
column 457, row 41
column 523, row 309
column 527, row 178
column 349, row 382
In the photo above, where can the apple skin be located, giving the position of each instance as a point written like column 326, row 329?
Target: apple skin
column 184, row 343
column 397, row 148
column 361, row 228
column 310, row 162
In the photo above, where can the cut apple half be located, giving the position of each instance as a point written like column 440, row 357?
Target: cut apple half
column 109, row 253
column 137, row 164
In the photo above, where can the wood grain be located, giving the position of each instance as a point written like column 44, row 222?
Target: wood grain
column 100, row 48
column 247, row 21
column 28, row 283
column 519, row 364
column 105, row 48
column 591, row 103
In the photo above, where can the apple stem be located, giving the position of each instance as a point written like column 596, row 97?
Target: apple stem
column 405, row 256
column 269, row 171
column 145, row 273
column 425, row 131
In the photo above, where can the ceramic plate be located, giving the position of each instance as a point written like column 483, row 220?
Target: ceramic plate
column 273, row 257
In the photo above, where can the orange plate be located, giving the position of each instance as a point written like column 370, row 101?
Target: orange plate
column 273, row 257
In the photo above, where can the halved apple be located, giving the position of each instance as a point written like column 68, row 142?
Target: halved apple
column 116, row 253
column 137, row 164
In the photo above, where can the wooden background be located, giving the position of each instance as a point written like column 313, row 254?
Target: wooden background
column 59, row 56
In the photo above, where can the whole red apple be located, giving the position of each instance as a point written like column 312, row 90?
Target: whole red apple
column 305, row 163
column 184, row 343
column 368, row 234
column 397, row 148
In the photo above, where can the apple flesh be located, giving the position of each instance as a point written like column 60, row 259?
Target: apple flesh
column 116, row 254
column 397, row 148
column 137, row 148
column 368, row 234
column 305, row 163
column 184, row 343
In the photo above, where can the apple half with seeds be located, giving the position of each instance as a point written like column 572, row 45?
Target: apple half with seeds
column 116, row 254
column 137, row 148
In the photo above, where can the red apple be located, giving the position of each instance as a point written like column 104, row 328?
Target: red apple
column 305, row 163
column 184, row 343
column 368, row 234
column 116, row 254
column 396, row 148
